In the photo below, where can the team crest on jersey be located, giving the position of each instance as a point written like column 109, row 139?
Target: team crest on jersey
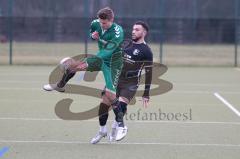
column 136, row 52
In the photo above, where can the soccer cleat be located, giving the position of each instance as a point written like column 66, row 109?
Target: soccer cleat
column 112, row 135
column 98, row 137
column 51, row 87
column 121, row 133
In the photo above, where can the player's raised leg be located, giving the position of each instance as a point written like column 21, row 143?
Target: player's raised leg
column 69, row 66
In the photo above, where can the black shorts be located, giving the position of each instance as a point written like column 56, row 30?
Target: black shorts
column 127, row 89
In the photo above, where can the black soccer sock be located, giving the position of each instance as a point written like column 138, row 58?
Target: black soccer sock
column 66, row 77
column 120, row 109
column 103, row 114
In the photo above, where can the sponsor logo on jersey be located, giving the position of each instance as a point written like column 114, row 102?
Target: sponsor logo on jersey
column 136, row 52
column 127, row 56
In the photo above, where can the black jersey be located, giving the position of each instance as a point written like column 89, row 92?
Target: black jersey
column 137, row 57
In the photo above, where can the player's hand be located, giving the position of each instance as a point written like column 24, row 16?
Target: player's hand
column 95, row 35
column 145, row 101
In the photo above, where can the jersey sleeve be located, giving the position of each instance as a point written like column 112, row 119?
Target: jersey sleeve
column 148, row 57
column 148, row 64
column 93, row 27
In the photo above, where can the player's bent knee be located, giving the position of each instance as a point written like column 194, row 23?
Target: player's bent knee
column 105, row 100
column 123, row 99
column 111, row 96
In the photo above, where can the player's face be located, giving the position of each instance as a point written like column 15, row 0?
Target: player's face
column 105, row 23
column 138, row 32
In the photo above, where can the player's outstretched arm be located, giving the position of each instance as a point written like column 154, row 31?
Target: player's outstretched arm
column 148, row 81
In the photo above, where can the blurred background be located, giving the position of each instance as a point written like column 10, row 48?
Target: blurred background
column 182, row 32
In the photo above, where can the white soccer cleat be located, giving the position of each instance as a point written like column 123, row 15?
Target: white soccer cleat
column 121, row 133
column 51, row 87
column 98, row 137
column 112, row 135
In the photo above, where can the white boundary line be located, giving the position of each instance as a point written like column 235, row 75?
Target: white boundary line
column 227, row 103
column 174, row 83
column 128, row 121
column 55, row 101
column 206, row 84
column 120, row 143
column 172, row 91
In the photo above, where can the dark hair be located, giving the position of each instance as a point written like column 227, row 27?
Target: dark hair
column 143, row 24
column 105, row 13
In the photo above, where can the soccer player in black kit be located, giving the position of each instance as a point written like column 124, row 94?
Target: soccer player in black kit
column 136, row 57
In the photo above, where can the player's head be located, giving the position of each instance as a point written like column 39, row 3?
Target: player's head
column 140, row 30
column 105, row 17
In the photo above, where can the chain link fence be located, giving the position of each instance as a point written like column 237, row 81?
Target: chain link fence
column 186, row 32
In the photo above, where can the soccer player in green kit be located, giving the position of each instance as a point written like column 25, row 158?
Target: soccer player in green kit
column 108, row 60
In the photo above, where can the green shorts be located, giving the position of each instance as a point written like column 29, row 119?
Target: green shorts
column 111, row 69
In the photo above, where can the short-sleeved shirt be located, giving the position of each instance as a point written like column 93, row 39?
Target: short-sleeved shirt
column 108, row 60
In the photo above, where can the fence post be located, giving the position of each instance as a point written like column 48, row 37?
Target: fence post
column 10, row 30
column 86, row 15
column 161, row 52
column 162, row 3
column 237, row 32
column 52, row 17
column 195, row 19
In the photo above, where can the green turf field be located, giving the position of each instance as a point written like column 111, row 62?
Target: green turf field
column 209, row 97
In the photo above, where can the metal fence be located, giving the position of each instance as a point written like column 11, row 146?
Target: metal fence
column 186, row 32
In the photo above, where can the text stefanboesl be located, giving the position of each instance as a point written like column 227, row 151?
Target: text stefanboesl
column 159, row 115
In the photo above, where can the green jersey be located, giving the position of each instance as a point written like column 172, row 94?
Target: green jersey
column 108, row 59
column 114, row 34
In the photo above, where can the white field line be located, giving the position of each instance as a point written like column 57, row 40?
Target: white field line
column 129, row 121
column 174, row 83
column 171, row 91
column 120, row 143
column 77, row 100
column 227, row 104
